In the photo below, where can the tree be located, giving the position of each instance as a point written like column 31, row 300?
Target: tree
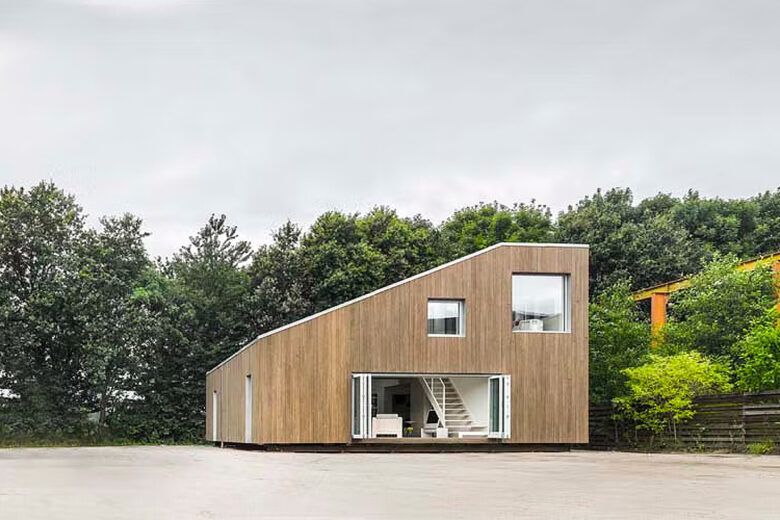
column 346, row 256
column 619, row 339
column 41, row 333
column 477, row 227
column 759, row 355
column 642, row 243
column 661, row 391
column 711, row 316
column 198, row 309
column 114, row 264
column 277, row 277
column 724, row 226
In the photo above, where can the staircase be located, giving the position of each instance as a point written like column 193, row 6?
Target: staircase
column 449, row 405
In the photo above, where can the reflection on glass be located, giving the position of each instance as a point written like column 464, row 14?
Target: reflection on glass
column 539, row 303
column 444, row 317
column 495, row 406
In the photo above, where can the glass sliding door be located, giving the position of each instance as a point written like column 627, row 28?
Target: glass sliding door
column 361, row 406
column 500, row 392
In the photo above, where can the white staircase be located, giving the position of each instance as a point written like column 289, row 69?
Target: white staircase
column 449, row 406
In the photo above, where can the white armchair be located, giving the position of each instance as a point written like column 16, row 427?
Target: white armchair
column 387, row 425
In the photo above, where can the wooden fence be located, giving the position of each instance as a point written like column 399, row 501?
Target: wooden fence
column 722, row 422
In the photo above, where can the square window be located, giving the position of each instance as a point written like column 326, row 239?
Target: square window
column 446, row 318
column 540, row 303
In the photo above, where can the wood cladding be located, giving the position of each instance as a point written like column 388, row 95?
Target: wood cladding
column 302, row 374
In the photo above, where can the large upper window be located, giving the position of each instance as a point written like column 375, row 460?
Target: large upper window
column 540, row 303
column 446, row 317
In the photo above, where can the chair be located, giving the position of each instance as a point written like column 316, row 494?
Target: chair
column 387, row 425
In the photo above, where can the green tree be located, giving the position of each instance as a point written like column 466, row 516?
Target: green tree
column 767, row 231
column 114, row 264
column 725, row 226
column 198, row 307
column 477, row 227
column 346, row 256
column 642, row 243
column 278, row 277
column 41, row 332
column 759, row 355
column 619, row 339
column 661, row 391
column 722, row 301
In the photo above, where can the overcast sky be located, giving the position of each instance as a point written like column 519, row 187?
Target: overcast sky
column 269, row 110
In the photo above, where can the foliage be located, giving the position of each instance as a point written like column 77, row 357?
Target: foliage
column 477, row 227
column 759, row 355
column 642, row 243
column 619, row 338
column 661, row 391
column 713, row 314
column 278, row 275
column 761, row 448
column 41, row 362
column 346, row 256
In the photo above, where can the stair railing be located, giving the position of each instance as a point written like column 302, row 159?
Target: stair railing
column 429, row 385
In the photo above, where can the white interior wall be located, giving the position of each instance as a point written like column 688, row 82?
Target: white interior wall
column 475, row 394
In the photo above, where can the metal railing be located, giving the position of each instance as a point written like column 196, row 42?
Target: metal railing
column 430, row 387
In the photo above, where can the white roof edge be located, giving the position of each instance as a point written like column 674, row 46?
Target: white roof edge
column 391, row 286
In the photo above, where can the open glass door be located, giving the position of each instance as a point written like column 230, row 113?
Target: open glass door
column 500, row 392
column 361, row 406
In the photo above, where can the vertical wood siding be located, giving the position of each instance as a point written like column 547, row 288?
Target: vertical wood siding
column 302, row 374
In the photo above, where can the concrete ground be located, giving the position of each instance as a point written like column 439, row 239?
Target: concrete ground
column 203, row 482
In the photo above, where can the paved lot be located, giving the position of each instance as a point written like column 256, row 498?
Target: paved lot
column 203, row 482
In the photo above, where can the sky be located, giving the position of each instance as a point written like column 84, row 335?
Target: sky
column 273, row 110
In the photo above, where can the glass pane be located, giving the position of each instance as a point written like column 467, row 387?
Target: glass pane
column 355, row 406
column 495, row 405
column 539, row 302
column 444, row 317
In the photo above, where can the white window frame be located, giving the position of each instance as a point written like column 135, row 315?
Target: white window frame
column 504, row 430
column 214, row 415
column 567, row 308
column 461, row 317
column 361, row 430
column 248, row 399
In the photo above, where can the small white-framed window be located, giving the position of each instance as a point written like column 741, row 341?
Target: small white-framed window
column 446, row 317
column 541, row 303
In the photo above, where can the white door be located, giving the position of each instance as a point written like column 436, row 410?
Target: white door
column 214, row 416
column 361, row 406
column 500, row 391
column 248, row 410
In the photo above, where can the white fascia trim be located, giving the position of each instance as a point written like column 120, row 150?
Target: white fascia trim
column 391, row 286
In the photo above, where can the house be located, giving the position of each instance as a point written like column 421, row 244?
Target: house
column 489, row 348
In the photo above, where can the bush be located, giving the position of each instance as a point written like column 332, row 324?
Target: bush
column 660, row 392
column 759, row 355
column 712, row 315
column 619, row 338
column 761, row 448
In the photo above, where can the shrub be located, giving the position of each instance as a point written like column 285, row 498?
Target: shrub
column 660, row 392
column 759, row 355
column 712, row 315
column 761, row 448
column 619, row 338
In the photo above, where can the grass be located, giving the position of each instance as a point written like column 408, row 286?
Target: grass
column 761, row 448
